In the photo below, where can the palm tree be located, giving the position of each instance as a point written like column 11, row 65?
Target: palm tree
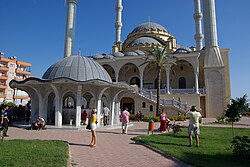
column 159, row 58
column 235, row 109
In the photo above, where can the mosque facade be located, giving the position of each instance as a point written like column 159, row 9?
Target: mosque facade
column 199, row 77
column 76, row 83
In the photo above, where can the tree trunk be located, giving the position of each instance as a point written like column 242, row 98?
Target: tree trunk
column 233, row 128
column 158, row 91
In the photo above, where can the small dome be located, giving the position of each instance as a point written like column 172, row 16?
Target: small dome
column 144, row 40
column 108, row 56
column 118, row 54
column 148, row 26
column 130, row 54
column 98, row 56
column 78, row 68
column 139, row 52
column 182, row 50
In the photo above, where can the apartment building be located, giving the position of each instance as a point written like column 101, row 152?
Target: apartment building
column 11, row 68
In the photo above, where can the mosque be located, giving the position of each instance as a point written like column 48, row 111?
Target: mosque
column 200, row 75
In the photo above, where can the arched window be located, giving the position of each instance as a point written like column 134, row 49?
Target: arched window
column 182, row 83
column 135, row 81
column 143, row 105
column 69, row 102
column 151, row 108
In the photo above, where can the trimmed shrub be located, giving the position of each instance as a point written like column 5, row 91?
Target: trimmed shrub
column 177, row 118
column 241, row 146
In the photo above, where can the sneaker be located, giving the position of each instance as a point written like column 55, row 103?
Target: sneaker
column 189, row 145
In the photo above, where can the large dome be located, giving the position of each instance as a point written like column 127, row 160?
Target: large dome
column 144, row 40
column 148, row 26
column 79, row 68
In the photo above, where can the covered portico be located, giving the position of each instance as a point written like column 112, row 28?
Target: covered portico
column 60, row 97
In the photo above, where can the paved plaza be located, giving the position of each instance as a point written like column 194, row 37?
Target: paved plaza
column 113, row 148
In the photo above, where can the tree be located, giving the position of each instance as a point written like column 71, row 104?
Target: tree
column 235, row 109
column 159, row 58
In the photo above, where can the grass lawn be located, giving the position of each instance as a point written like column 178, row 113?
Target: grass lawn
column 30, row 153
column 214, row 147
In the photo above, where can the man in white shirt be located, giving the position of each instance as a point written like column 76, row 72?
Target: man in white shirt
column 194, row 117
column 106, row 113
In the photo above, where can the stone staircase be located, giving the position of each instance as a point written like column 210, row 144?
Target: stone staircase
column 165, row 103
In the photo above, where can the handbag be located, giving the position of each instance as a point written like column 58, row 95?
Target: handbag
column 88, row 126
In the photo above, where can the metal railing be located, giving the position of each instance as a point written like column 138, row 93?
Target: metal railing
column 165, row 102
column 177, row 91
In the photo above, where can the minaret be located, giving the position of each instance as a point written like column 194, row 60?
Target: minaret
column 118, row 26
column 198, row 25
column 212, row 52
column 70, row 28
column 214, row 69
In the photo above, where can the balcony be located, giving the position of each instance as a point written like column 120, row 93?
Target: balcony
column 2, row 96
column 19, row 71
column 3, row 76
column 3, row 86
column 4, row 67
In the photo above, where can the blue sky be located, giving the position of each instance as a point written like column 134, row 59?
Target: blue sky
column 34, row 30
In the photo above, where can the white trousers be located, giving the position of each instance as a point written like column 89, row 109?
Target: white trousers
column 125, row 127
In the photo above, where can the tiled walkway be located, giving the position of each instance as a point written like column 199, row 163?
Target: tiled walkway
column 113, row 148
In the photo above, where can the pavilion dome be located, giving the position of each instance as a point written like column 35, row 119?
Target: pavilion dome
column 78, row 68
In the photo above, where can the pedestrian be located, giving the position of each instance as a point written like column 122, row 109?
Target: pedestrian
column 106, row 112
column 5, row 120
column 39, row 123
column 140, row 115
column 163, row 122
column 93, row 122
column 125, row 120
column 28, row 111
column 84, row 117
column 194, row 117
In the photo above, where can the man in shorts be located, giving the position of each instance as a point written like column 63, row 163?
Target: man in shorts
column 194, row 117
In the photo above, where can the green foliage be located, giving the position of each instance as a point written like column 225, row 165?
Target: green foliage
column 159, row 58
column 235, row 109
column 241, row 146
column 10, row 104
column 213, row 150
column 154, row 118
column 177, row 118
column 27, row 153
column 220, row 119
column 237, row 106
column 132, row 117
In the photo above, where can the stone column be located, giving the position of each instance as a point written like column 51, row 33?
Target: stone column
column 196, row 82
column 99, row 110
column 70, row 28
column 116, row 76
column 141, row 79
column 78, row 105
column 112, row 113
column 167, row 78
column 58, row 112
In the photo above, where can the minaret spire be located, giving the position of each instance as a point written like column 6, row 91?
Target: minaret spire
column 70, row 28
column 198, row 25
column 212, row 52
column 118, row 25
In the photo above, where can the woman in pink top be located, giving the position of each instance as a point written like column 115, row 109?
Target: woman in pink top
column 125, row 120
